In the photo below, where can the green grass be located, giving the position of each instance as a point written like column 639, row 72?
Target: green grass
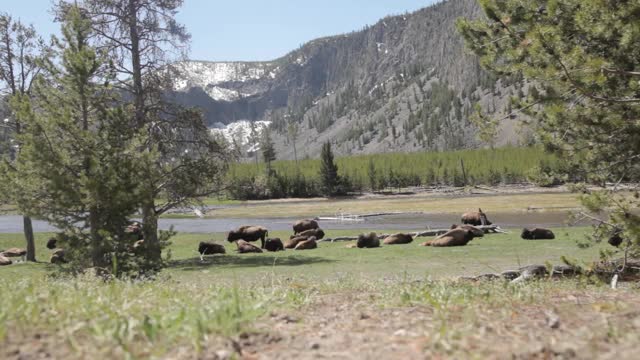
column 493, row 253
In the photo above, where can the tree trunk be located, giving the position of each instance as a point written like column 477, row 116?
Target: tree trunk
column 97, row 246
column 28, row 235
column 153, row 252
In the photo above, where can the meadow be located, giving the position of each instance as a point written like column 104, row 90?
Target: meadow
column 309, row 303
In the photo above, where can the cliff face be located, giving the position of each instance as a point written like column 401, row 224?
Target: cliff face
column 403, row 84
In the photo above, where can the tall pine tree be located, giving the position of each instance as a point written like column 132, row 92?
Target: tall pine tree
column 329, row 178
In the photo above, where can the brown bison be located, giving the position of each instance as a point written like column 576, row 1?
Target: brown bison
column 475, row 218
column 616, row 238
column 274, row 244
column 5, row 260
column 52, row 243
column 14, row 252
column 210, row 248
column 245, row 247
column 476, row 232
column 368, row 241
column 317, row 233
column 58, row 257
column 302, row 225
column 308, row 244
column 455, row 237
column 249, row 233
column 291, row 243
column 397, row 239
column 537, row 234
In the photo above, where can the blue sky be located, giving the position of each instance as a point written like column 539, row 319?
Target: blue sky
column 250, row 29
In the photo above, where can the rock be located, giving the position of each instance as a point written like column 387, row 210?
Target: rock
column 553, row 320
column 400, row 333
column 314, row 346
column 223, row 354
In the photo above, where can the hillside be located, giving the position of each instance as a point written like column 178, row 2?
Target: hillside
column 403, row 84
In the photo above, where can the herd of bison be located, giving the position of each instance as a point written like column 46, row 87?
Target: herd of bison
column 307, row 233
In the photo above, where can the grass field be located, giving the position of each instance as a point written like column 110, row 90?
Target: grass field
column 398, row 301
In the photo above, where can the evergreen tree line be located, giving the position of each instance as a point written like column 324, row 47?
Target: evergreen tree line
column 394, row 171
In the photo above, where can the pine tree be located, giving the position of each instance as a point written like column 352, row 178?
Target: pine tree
column 583, row 57
column 268, row 149
column 77, row 167
column 329, row 179
column 20, row 48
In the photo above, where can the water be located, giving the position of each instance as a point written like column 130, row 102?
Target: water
column 13, row 223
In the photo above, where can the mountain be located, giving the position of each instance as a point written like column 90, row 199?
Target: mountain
column 403, row 84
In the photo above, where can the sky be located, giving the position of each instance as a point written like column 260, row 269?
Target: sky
column 249, row 30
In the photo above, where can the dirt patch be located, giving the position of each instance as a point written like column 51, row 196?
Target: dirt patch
column 346, row 326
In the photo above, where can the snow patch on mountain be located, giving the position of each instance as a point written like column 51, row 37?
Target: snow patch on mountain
column 212, row 76
column 239, row 133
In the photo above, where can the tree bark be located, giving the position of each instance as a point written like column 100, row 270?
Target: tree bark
column 153, row 251
column 28, row 235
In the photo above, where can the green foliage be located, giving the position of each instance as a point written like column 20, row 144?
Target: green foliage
column 379, row 171
column 583, row 61
column 329, row 179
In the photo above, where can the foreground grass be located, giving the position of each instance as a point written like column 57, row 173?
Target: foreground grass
column 76, row 318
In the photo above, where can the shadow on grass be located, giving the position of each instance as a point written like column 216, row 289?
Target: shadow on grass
column 245, row 261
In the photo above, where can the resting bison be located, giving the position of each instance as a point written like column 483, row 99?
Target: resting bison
column 317, row 233
column 616, row 238
column 476, row 232
column 368, row 241
column 291, row 243
column 274, row 244
column 455, row 237
column 210, row 248
column 308, row 244
column 5, row 260
column 475, row 218
column 245, row 247
column 249, row 233
column 58, row 257
column 302, row 225
column 52, row 243
column 14, row 252
column 397, row 239
column 537, row 234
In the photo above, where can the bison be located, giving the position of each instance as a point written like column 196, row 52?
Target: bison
column 210, row 248
column 317, row 233
column 52, row 243
column 397, row 239
column 274, row 244
column 245, row 247
column 14, row 252
column 368, row 241
column 291, row 243
column 5, row 260
column 476, row 231
column 475, row 218
column 302, row 225
column 455, row 237
column 308, row 244
column 58, row 257
column 537, row 234
column 616, row 238
column 249, row 233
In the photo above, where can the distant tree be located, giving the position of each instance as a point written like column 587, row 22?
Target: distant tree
column 20, row 48
column 372, row 175
column 329, row 179
column 268, row 149
column 584, row 58
column 487, row 126
column 292, row 135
